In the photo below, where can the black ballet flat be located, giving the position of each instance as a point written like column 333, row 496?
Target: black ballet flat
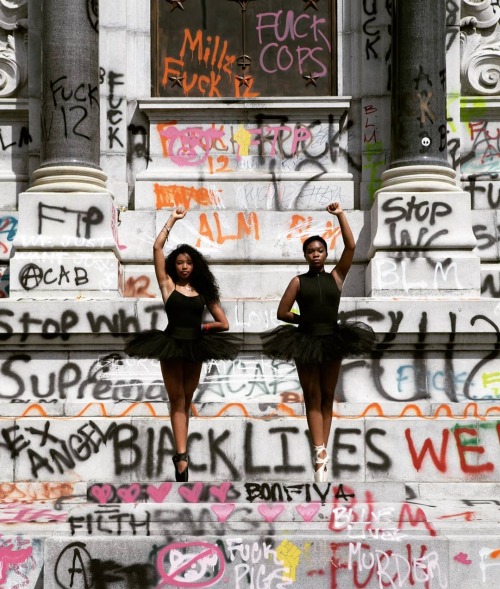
column 181, row 477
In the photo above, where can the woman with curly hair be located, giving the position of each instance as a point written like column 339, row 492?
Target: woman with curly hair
column 319, row 342
column 187, row 286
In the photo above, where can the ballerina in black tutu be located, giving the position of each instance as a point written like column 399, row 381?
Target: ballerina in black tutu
column 319, row 342
column 187, row 285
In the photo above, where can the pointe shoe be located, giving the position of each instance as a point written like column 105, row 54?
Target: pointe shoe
column 320, row 475
column 181, row 477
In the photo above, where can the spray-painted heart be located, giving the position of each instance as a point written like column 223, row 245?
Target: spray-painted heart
column 158, row 494
column 101, row 492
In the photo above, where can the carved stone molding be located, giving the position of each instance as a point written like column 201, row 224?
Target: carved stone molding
column 13, row 14
column 480, row 48
column 13, row 46
column 13, row 65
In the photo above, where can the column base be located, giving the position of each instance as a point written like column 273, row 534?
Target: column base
column 68, row 179
column 419, row 179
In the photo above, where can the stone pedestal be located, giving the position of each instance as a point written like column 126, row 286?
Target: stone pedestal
column 422, row 246
column 66, row 249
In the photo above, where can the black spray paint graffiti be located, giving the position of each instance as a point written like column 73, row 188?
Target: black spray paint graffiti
column 50, row 328
column 63, row 455
column 24, row 139
column 120, row 522
column 421, row 212
column 70, row 377
column 490, row 190
column 148, row 451
column 85, row 219
column 490, row 285
column 32, row 276
column 93, row 13
column 76, row 568
column 373, row 33
column 74, row 105
column 114, row 113
column 419, row 355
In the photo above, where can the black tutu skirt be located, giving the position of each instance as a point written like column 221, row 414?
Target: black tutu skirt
column 319, row 343
column 162, row 345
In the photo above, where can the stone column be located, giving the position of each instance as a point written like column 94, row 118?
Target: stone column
column 66, row 244
column 70, row 99
column 422, row 236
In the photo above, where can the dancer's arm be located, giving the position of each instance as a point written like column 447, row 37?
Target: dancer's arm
column 220, row 322
column 165, row 282
column 287, row 300
column 344, row 264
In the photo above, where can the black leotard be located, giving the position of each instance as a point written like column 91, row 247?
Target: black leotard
column 184, row 315
column 318, row 300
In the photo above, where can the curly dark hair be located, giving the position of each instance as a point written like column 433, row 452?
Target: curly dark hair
column 201, row 279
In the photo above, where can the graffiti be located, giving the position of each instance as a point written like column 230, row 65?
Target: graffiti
column 29, row 492
column 15, row 513
column 24, row 139
column 120, row 523
column 423, row 211
column 84, row 220
column 8, row 230
column 136, row 492
column 373, row 34
column 16, row 561
column 213, row 230
column 302, row 227
column 259, row 562
column 64, row 454
column 483, row 194
column 32, row 276
column 484, row 153
column 74, row 105
column 114, row 113
column 73, row 567
column 388, row 568
column 217, row 56
column 397, row 274
column 488, row 559
column 367, row 521
column 138, row 287
column 276, row 55
column 173, row 195
column 190, row 564
column 93, row 13
column 490, row 285
column 295, row 145
column 45, row 452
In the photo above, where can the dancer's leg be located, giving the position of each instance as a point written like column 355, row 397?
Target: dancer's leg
column 173, row 377
column 192, row 371
column 309, row 377
column 329, row 375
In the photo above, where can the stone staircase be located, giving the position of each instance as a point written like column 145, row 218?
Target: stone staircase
column 86, row 494
column 413, row 499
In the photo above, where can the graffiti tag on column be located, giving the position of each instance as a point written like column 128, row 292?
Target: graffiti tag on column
column 74, row 104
